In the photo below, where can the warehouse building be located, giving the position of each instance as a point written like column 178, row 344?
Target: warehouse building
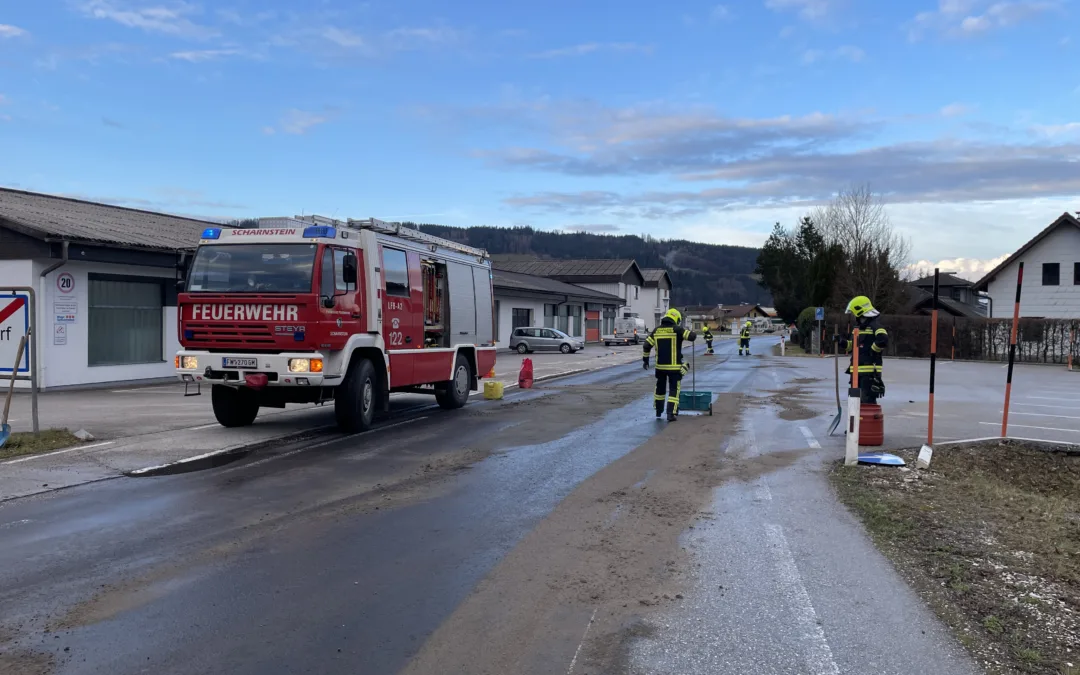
column 104, row 279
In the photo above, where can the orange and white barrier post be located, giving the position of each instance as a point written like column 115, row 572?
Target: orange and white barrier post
column 854, row 403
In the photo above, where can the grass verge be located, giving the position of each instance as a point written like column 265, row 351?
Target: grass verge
column 990, row 537
column 28, row 444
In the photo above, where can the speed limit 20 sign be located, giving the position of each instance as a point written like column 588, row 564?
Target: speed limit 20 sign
column 65, row 283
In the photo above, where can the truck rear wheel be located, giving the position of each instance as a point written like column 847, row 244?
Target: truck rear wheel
column 356, row 398
column 234, row 406
column 454, row 393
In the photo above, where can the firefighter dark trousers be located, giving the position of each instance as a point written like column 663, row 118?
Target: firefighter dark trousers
column 668, row 388
column 708, row 346
column 744, row 343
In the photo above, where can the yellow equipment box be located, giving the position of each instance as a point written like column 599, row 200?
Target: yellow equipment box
column 493, row 391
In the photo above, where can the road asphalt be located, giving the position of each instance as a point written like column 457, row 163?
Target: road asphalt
column 563, row 530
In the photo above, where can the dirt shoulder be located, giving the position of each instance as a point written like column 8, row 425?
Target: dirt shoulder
column 990, row 537
column 579, row 587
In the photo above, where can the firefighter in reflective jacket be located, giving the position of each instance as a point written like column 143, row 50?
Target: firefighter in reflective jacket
column 668, row 338
column 707, row 334
column 873, row 339
column 744, row 337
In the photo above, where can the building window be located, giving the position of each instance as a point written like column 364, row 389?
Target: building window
column 125, row 319
column 636, row 292
column 564, row 318
column 396, row 272
column 1076, row 274
column 520, row 318
column 575, row 312
column 1051, row 274
column 550, row 311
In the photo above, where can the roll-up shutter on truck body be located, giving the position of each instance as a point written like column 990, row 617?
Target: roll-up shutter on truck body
column 484, row 325
column 462, row 304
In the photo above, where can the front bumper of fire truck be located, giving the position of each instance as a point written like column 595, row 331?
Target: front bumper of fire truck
column 289, row 369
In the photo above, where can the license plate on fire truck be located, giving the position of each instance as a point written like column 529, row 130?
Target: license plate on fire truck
column 236, row 362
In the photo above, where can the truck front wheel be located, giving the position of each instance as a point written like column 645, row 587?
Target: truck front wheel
column 454, row 393
column 233, row 406
column 356, row 398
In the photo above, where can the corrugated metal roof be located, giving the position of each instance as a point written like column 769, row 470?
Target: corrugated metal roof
column 535, row 284
column 47, row 216
column 594, row 270
column 653, row 276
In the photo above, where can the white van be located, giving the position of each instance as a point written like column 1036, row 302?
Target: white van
column 628, row 331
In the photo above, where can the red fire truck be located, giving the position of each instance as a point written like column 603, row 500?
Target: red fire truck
column 313, row 310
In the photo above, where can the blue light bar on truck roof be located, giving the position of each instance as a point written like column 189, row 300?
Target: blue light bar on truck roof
column 320, row 231
column 211, row 233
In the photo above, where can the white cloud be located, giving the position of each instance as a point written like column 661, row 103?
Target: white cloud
column 205, row 55
column 593, row 47
column 3, row 100
column 1052, row 130
column 971, row 269
column 9, row 31
column 720, row 13
column 408, row 38
column 343, row 38
column 170, row 20
column 807, row 9
column 845, row 53
column 299, row 122
column 969, row 18
column 955, row 110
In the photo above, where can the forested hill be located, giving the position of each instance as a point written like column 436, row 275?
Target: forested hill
column 702, row 274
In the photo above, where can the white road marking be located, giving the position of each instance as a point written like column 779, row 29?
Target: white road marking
column 15, row 523
column 1027, row 426
column 819, row 658
column 577, row 652
column 1064, row 417
column 60, row 452
column 810, row 440
column 1043, row 405
column 205, row 426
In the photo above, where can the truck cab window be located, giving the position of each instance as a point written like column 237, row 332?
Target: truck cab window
column 396, row 272
column 328, row 276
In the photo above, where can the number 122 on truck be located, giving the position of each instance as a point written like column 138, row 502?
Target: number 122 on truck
column 314, row 310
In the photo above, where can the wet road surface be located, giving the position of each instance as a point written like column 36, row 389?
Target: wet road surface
column 299, row 560
column 346, row 556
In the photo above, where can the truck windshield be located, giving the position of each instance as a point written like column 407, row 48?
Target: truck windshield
column 253, row 268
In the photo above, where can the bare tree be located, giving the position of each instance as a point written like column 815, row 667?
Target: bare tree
column 874, row 253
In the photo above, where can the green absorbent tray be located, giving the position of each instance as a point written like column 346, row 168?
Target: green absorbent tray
column 696, row 400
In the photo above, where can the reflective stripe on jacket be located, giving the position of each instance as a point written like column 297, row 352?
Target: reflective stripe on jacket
column 667, row 339
column 873, row 339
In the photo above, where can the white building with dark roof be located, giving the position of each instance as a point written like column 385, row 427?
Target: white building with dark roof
column 104, row 281
column 1051, row 283
column 620, row 278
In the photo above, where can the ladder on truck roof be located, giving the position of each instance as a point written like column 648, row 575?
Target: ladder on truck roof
column 397, row 230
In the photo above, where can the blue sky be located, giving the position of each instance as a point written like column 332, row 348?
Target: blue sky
column 690, row 119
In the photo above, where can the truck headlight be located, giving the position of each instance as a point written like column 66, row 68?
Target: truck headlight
column 189, row 363
column 305, row 365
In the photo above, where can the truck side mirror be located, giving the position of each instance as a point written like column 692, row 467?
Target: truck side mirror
column 349, row 270
column 181, row 284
